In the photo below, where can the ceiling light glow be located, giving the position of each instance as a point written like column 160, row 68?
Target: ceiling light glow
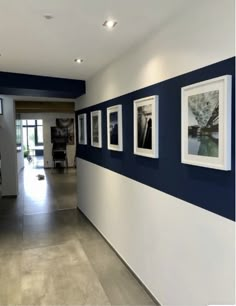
column 109, row 24
column 79, row 60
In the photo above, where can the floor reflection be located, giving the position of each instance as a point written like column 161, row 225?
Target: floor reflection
column 35, row 190
column 55, row 192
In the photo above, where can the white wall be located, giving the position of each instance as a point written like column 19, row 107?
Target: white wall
column 202, row 35
column 182, row 253
column 8, row 148
column 20, row 160
column 49, row 120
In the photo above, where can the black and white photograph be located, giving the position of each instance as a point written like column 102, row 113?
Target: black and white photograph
column 1, row 107
column 82, row 126
column 81, row 130
column 206, row 128
column 146, row 127
column 95, row 129
column 69, row 124
column 203, row 124
column 59, row 135
column 96, row 139
column 114, row 128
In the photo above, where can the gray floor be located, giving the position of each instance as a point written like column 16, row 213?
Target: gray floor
column 57, row 191
column 51, row 256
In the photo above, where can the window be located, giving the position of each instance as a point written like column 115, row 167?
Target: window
column 33, row 132
column 39, row 134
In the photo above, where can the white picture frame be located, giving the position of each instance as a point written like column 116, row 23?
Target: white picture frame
column 206, row 123
column 146, row 138
column 96, row 129
column 82, row 129
column 114, row 128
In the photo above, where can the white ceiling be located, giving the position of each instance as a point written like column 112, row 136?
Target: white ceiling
column 33, row 45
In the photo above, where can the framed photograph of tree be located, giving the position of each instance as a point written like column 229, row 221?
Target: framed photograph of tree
column 206, row 123
column 114, row 128
column 146, row 127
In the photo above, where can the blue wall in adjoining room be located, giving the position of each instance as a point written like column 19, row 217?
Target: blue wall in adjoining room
column 210, row 189
column 40, row 86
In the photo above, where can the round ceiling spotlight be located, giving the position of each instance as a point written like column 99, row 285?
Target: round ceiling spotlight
column 79, row 60
column 109, row 24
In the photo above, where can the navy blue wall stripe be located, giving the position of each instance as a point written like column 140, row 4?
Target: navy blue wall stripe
column 34, row 85
column 211, row 189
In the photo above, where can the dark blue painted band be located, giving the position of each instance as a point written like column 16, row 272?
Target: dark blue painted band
column 33, row 85
column 213, row 190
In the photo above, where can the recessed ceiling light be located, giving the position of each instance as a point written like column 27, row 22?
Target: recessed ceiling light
column 79, row 60
column 48, row 16
column 110, row 24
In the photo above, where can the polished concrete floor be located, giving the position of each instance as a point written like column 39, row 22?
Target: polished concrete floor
column 50, row 254
column 57, row 191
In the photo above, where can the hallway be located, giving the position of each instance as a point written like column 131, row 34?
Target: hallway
column 50, row 256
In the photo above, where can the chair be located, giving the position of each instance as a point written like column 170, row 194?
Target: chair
column 59, row 154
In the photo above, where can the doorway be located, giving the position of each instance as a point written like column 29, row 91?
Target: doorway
column 33, row 142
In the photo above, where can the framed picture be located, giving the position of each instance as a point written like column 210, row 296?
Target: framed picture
column 206, row 123
column 146, row 127
column 1, row 107
column 82, row 129
column 114, row 128
column 59, row 135
column 96, row 129
column 69, row 124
